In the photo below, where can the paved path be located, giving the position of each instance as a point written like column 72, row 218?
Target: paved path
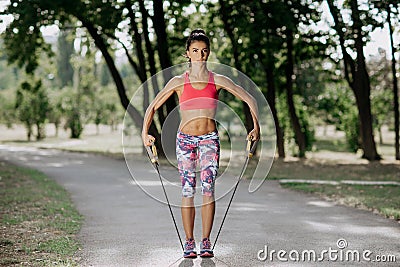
column 125, row 227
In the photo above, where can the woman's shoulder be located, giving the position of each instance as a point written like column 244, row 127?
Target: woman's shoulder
column 175, row 82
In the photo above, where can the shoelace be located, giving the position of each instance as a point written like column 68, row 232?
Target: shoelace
column 206, row 244
column 189, row 244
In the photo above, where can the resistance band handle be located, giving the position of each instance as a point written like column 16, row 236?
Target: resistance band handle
column 152, row 152
column 251, row 146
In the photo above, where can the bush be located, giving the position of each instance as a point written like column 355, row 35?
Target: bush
column 32, row 104
column 351, row 127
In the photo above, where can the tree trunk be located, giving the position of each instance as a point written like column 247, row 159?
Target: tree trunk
column 162, row 47
column 40, row 132
column 225, row 14
column 357, row 77
column 298, row 133
column 362, row 89
column 395, row 89
column 270, row 95
column 151, row 59
column 137, row 42
column 56, row 127
column 28, row 132
column 140, row 55
column 160, row 29
column 271, row 98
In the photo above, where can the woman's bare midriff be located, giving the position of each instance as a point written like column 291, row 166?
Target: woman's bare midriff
column 197, row 121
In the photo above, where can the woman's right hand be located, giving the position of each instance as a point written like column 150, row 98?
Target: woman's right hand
column 148, row 140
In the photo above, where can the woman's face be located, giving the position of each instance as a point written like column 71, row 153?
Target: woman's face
column 198, row 51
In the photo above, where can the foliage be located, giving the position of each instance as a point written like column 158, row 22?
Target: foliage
column 337, row 106
column 308, row 127
column 381, row 93
column 252, row 36
column 55, row 114
column 351, row 127
column 32, row 104
column 8, row 75
column 75, row 107
column 7, row 109
column 304, row 116
column 65, row 49
column 104, row 109
column 74, row 122
column 105, row 77
column 24, row 41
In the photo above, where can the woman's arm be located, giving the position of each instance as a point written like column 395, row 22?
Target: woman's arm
column 170, row 88
column 225, row 83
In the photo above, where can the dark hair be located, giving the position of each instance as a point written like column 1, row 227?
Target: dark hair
column 197, row 35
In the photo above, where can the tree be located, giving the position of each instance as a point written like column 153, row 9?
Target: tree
column 302, row 47
column 252, row 48
column 395, row 86
column 289, row 73
column 24, row 41
column 381, row 93
column 55, row 115
column 353, row 38
column 105, row 77
column 336, row 105
column 8, row 77
column 7, row 111
column 75, row 108
column 65, row 50
column 257, row 33
column 229, row 19
column 32, row 105
column 102, row 20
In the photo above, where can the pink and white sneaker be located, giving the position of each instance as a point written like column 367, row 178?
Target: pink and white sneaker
column 205, row 249
column 190, row 249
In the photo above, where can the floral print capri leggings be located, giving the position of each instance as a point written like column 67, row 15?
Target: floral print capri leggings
column 198, row 149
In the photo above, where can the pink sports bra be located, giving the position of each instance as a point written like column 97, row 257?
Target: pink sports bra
column 193, row 98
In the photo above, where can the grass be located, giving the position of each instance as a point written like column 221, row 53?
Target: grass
column 38, row 222
column 377, row 198
column 331, row 145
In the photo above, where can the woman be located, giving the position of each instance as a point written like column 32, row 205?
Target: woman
column 197, row 138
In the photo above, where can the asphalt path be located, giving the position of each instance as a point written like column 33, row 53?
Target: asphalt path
column 125, row 224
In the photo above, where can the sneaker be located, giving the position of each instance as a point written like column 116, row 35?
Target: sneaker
column 190, row 249
column 205, row 249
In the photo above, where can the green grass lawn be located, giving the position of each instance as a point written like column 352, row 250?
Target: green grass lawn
column 377, row 198
column 38, row 222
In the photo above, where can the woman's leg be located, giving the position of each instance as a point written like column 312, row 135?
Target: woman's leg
column 186, row 156
column 207, row 215
column 188, row 214
column 209, row 163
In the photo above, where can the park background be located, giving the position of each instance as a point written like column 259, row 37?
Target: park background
column 328, row 70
